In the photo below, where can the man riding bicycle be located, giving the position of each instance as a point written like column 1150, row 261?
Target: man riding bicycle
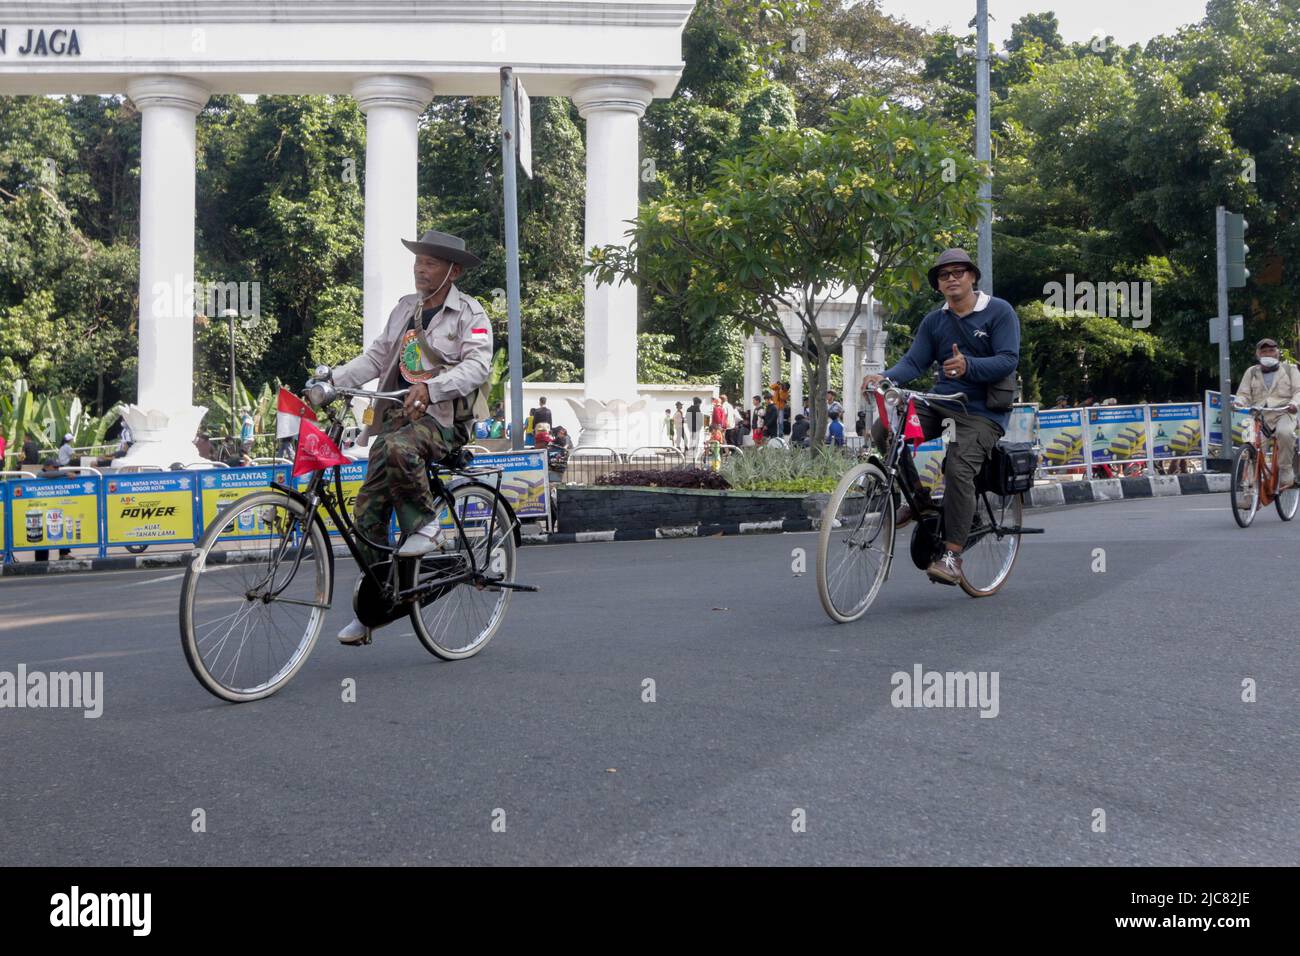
column 1275, row 384
column 994, row 325
column 439, row 342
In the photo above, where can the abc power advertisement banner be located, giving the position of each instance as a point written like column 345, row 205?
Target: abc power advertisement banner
column 1175, row 431
column 1117, row 433
column 1060, row 432
column 149, row 508
column 218, row 490
column 58, row 513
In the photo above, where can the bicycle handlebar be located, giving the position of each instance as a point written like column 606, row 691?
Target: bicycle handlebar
column 956, row 398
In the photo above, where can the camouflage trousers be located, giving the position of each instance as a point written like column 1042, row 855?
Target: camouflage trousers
column 398, row 478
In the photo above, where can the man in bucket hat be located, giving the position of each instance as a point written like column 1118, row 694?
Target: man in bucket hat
column 944, row 339
column 438, row 341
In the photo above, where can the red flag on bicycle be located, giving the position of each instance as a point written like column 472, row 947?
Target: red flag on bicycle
column 882, row 409
column 315, row 450
column 289, row 410
column 912, row 431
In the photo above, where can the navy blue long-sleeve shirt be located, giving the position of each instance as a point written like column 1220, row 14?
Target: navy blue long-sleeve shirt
column 992, row 323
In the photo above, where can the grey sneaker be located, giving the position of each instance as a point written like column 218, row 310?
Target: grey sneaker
column 355, row 634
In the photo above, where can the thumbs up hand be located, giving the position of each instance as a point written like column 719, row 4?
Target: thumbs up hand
column 955, row 367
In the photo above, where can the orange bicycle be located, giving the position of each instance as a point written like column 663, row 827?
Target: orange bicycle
column 1255, row 470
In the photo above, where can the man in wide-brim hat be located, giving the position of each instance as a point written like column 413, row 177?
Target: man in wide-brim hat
column 438, row 342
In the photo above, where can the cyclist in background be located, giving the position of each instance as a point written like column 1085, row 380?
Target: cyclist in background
column 1275, row 384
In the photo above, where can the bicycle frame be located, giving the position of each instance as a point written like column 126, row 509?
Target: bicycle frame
column 1268, row 466
column 318, row 494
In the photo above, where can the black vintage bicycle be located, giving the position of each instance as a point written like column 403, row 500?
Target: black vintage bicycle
column 257, row 591
column 856, row 540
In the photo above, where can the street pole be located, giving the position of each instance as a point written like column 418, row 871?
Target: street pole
column 982, row 145
column 1225, row 339
column 516, row 354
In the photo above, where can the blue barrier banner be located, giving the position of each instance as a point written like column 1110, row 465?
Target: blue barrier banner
column 4, row 518
column 1117, row 432
column 149, row 508
column 928, row 458
column 1175, row 431
column 218, row 490
column 352, row 477
column 1214, row 424
column 524, row 482
column 55, row 513
column 1060, row 432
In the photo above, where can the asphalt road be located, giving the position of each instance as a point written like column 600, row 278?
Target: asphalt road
column 1118, row 691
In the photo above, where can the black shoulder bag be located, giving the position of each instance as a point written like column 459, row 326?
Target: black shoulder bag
column 1000, row 395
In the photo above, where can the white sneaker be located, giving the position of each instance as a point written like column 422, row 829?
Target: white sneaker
column 420, row 543
column 355, row 634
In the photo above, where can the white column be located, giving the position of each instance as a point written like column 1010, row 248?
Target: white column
column 852, row 379
column 753, row 369
column 164, row 420
column 392, row 105
column 796, row 384
column 774, row 361
column 613, row 109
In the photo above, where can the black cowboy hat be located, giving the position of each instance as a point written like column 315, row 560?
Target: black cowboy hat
column 948, row 258
column 441, row 245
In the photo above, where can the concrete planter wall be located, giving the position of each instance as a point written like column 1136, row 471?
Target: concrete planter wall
column 623, row 508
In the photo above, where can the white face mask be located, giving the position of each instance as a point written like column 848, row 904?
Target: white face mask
column 1268, row 362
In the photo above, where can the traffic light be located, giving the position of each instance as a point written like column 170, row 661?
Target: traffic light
column 1235, row 226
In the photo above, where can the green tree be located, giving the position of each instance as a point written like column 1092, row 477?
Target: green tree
column 864, row 204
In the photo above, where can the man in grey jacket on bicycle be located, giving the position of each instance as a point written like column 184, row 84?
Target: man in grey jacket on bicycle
column 992, row 323
column 438, row 342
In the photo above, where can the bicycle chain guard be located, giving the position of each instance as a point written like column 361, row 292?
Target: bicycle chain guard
column 927, row 538
column 372, row 607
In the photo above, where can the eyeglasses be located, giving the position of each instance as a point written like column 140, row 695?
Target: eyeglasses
column 947, row 274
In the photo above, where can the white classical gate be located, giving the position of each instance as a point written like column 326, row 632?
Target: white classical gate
column 611, row 56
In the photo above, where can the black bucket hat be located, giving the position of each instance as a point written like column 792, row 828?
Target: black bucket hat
column 444, row 246
column 948, row 258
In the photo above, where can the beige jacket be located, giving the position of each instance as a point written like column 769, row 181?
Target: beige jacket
column 1285, row 390
column 459, row 341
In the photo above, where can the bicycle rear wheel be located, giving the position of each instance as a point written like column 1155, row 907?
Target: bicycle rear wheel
column 252, row 605
column 990, row 554
column 855, row 544
column 1245, row 485
column 459, row 621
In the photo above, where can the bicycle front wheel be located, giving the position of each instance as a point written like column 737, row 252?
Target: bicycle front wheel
column 990, row 553
column 855, row 544
column 255, row 597
column 457, row 622
column 1245, row 485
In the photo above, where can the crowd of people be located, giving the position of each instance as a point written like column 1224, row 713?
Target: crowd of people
column 691, row 429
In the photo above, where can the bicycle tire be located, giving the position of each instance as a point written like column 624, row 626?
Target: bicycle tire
column 1245, row 485
column 241, row 569
column 874, row 498
column 999, row 553
column 435, row 621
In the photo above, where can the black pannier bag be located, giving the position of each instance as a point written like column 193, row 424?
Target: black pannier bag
column 1010, row 469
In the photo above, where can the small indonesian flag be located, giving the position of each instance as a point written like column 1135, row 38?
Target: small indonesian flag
column 479, row 334
column 289, row 410
column 315, row 450
column 882, row 409
column 912, row 431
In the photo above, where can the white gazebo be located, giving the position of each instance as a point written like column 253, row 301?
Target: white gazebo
column 612, row 57
column 863, row 350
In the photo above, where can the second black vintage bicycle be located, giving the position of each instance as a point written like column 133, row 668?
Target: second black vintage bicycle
column 856, row 541
column 257, row 591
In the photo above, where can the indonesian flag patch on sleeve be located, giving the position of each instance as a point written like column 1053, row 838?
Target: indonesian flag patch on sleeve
column 479, row 334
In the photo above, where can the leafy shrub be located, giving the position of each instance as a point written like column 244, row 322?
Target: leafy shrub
column 676, row 478
column 787, row 469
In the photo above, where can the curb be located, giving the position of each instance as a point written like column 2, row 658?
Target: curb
column 1040, row 496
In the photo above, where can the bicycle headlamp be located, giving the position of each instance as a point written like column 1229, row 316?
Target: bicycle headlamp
column 893, row 397
column 319, row 393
